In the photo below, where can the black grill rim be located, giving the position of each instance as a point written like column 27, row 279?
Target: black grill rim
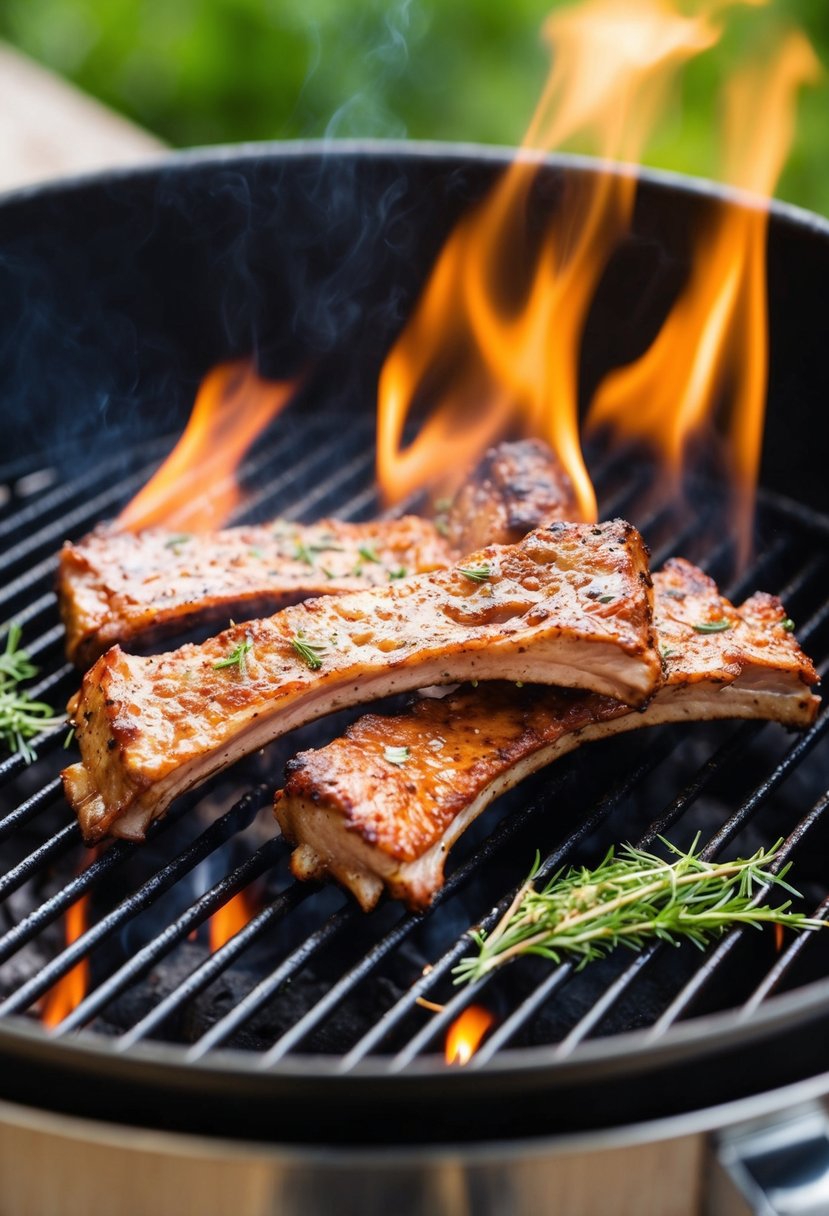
column 152, row 1086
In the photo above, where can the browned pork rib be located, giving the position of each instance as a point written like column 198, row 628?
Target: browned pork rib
column 383, row 805
column 136, row 589
column 570, row 605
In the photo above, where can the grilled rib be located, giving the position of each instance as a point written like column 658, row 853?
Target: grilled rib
column 382, row 805
column 139, row 588
column 570, row 605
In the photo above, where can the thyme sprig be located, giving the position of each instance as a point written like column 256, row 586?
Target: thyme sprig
column 630, row 899
column 237, row 657
column 21, row 718
column 310, row 652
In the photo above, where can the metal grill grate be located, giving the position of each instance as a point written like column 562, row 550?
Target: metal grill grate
column 309, row 973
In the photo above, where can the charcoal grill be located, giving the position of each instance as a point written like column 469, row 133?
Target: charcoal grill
column 118, row 293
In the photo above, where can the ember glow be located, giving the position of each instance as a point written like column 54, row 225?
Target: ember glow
column 70, row 990
column 226, row 922
column 711, row 354
column 196, row 488
column 466, row 1033
column 494, row 341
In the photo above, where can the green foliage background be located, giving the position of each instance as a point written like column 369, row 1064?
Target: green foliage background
column 215, row 71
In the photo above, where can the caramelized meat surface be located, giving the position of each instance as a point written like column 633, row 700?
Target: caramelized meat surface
column 382, row 805
column 570, row 605
column 137, row 589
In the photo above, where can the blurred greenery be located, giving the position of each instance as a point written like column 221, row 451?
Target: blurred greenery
column 214, row 71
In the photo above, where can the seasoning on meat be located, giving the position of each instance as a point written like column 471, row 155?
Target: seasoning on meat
column 151, row 728
column 137, row 589
column 372, row 824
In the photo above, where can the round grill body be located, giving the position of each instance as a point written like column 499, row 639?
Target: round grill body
column 118, row 294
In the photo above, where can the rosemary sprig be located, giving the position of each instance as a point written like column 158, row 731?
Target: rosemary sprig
column 237, row 657
column 310, row 652
column 477, row 574
column 21, row 718
column 628, row 900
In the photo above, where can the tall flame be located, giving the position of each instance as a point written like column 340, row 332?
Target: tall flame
column 714, row 341
column 494, row 339
column 196, row 487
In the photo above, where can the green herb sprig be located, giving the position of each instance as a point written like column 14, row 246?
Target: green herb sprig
column 310, row 652
column 630, row 899
column 237, row 657
column 476, row 574
column 719, row 626
column 21, row 718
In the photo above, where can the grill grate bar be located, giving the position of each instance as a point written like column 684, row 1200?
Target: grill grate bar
column 239, row 815
column 262, row 502
column 772, row 979
column 32, row 806
column 58, row 844
column 196, row 914
column 719, row 955
column 259, row 995
column 217, row 963
column 78, row 487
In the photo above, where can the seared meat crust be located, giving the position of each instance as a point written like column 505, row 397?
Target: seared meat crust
column 372, row 821
column 122, row 587
column 138, row 589
column 571, row 605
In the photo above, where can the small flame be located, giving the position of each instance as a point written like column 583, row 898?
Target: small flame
column 70, row 990
column 226, row 922
column 494, row 340
column 466, row 1033
column 778, row 937
column 196, row 487
column 714, row 342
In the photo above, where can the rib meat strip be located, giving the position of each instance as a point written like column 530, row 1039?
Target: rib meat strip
column 139, row 588
column 570, row 605
column 382, row 805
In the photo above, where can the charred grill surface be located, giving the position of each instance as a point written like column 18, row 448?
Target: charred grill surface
column 382, row 805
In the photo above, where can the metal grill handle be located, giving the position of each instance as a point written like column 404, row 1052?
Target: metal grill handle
column 781, row 1165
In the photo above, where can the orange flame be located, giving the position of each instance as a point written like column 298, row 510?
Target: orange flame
column 466, row 1033
column 196, row 487
column 494, row 340
column 70, row 990
column 230, row 918
column 714, row 341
